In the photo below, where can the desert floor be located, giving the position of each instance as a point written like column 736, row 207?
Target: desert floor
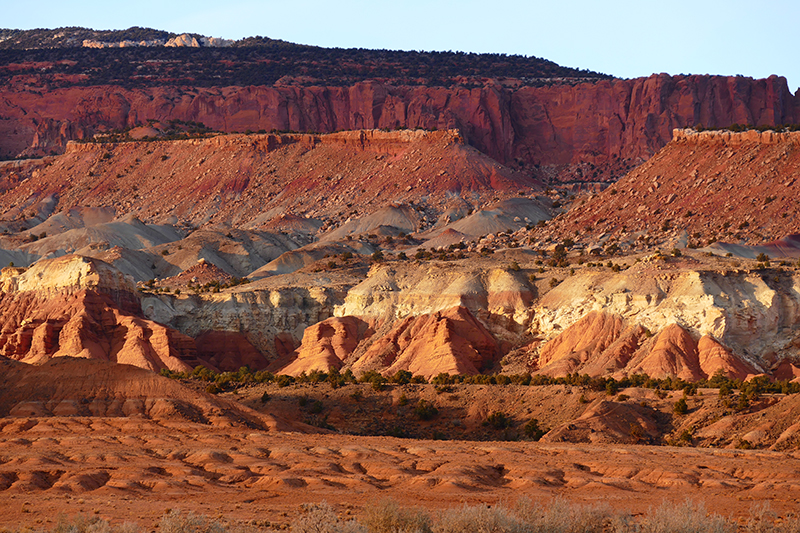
column 128, row 469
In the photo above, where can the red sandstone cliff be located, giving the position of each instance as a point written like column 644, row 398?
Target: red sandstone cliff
column 602, row 127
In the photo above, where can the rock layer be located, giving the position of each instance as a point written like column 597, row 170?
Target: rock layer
column 599, row 128
column 702, row 188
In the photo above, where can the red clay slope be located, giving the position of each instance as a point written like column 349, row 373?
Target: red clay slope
column 251, row 179
column 719, row 185
column 73, row 306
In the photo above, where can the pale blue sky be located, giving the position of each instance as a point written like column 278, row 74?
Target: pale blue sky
column 623, row 38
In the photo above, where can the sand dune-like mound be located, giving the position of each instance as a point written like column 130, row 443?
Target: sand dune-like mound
column 787, row 247
column 606, row 422
column 75, row 218
column 237, row 252
column 129, row 233
column 296, row 259
column 510, row 214
column 85, row 388
column 399, row 218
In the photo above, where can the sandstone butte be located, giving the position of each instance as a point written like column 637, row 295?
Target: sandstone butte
column 588, row 132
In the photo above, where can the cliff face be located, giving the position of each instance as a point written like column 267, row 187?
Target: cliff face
column 601, row 128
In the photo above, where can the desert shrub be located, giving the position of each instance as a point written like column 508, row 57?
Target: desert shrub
column 498, row 420
column 479, row 519
column 401, row 377
column 687, row 517
column 283, row 380
column 387, row 517
column 560, row 516
column 425, row 410
column 532, row 430
column 680, row 407
column 357, row 395
column 321, row 518
column 175, row 522
column 82, row 524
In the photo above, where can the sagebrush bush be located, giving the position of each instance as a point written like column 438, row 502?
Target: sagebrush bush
column 175, row 522
column 479, row 519
column 687, row 517
column 81, row 524
column 561, row 516
column 321, row 518
column 388, row 517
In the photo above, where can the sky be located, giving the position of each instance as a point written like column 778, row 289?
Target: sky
column 619, row 37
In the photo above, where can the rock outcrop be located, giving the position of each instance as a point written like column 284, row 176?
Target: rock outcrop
column 664, row 320
column 80, row 307
column 68, row 387
column 601, row 344
column 452, row 341
column 327, row 345
column 586, row 132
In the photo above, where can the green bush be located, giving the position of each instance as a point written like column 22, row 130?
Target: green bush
column 532, row 430
column 425, row 410
column 498, row 420
column 680, row 407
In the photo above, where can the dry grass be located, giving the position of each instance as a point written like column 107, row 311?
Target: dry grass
column 555, row 516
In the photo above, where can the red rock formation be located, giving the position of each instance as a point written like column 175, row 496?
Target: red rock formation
column 327, row 344
column 673, row 352
column 598, row 344
column 238, row 178
column 720, row 179
column 228, row 351
column 451, row 341
column 79, row 307
column 79, row 387
column 714, row 357
column 602, row 344
column 605, row 124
